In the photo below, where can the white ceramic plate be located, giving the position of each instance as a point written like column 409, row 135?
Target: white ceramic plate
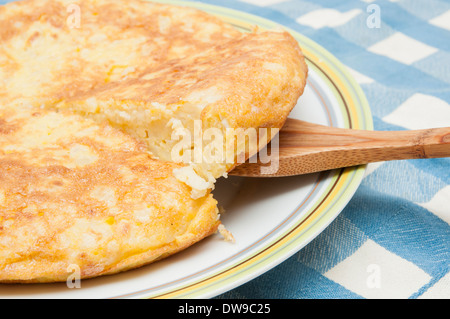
column 271, row 219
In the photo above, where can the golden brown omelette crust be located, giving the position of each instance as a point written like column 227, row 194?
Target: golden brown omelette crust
column 175, row 52
column 87, row 195
column 256, row 78
column 75, row 191
column 61, row 60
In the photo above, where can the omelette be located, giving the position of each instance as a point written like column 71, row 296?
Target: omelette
column 95, row 96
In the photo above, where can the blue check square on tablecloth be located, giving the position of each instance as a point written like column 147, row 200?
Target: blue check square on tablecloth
column 397, row 224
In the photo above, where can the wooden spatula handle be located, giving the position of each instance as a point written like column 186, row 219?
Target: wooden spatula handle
column 306, row 147
column 329, row 148
column 376, row 145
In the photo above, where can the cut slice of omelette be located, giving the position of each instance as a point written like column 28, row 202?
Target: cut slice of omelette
column 92, row 93
column 73, row 192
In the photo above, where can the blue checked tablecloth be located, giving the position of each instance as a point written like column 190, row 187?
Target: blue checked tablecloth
column 393, row 239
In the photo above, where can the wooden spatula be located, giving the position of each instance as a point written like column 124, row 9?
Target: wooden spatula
column 307, row 148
